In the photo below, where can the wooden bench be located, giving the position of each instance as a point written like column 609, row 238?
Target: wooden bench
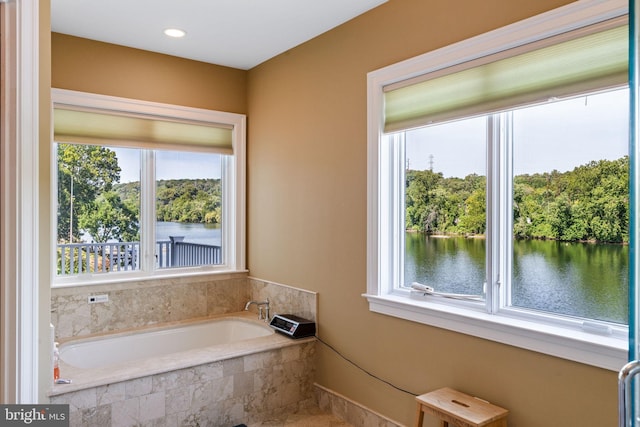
column 459, row 409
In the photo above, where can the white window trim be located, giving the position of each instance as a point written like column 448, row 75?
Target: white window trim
column 234, row 176
column 19, row 281
column 568, row 341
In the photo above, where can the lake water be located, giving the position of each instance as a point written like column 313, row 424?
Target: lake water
column 207, row 234
column 576, row 279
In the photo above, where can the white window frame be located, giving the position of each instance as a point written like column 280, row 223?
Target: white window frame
column 561, row 337
column 233, row 178
column 20, row 291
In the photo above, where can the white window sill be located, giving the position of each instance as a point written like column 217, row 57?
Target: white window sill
column 608, row 352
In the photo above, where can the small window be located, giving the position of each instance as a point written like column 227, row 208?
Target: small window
column 498, row 185
column 188, row 209
column 570, row 203
column 151, row 189
column 445, row 207
column 98, row 215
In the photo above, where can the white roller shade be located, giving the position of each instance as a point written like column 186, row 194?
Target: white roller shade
column 105, row 128
column 510, row 79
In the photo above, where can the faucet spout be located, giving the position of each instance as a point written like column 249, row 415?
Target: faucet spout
column 260, row 306
column 246, row 307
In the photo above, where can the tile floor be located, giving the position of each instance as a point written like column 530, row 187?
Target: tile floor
column 310, row 417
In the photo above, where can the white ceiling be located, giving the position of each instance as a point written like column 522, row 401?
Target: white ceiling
column 234, row 33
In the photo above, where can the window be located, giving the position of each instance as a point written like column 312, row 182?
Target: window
column 498, row 186
column 145, row 189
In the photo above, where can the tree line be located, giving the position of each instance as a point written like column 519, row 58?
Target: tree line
column 588, row 203
column 182, row 200
column 91, row 198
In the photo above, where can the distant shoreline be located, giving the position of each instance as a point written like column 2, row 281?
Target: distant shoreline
column 482, row 236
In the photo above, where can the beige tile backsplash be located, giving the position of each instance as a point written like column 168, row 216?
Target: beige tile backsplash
column 149, row 302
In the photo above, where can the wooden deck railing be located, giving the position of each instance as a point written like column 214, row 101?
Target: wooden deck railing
column 82, row 258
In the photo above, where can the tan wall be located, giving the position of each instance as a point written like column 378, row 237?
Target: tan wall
column 90, row 66
column 44, row 200
column 307, row 223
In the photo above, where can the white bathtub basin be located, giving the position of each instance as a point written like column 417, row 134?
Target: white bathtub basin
column 117, row 349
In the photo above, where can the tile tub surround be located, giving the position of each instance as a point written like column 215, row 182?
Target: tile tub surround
column 147, row 302
column 142, row 303
column 284, row 299
column 272, row 377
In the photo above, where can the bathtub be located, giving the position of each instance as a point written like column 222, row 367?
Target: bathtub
column 144, row 344
column 212, row 372
column 113, row 357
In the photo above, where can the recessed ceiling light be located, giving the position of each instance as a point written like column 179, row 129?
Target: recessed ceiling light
column 174, row 32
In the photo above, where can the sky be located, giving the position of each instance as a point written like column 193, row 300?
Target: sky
column 594, row 127
column 169, row 165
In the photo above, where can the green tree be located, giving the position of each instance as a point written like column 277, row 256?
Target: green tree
column 84, row 172
column 558, row 217
column 109, row 218
column 475, row 217
column 189, row 200
column 420, row 186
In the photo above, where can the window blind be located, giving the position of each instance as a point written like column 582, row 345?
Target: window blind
column 106, row 128
column 510, row 79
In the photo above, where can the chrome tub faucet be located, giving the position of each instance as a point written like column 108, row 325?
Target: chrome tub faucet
column 263, row 309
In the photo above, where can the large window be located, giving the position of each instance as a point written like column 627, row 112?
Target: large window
column 564, row 169
column 145, row 189
column 498, row 186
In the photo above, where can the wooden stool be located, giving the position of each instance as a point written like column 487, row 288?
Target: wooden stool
column 459, row 409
